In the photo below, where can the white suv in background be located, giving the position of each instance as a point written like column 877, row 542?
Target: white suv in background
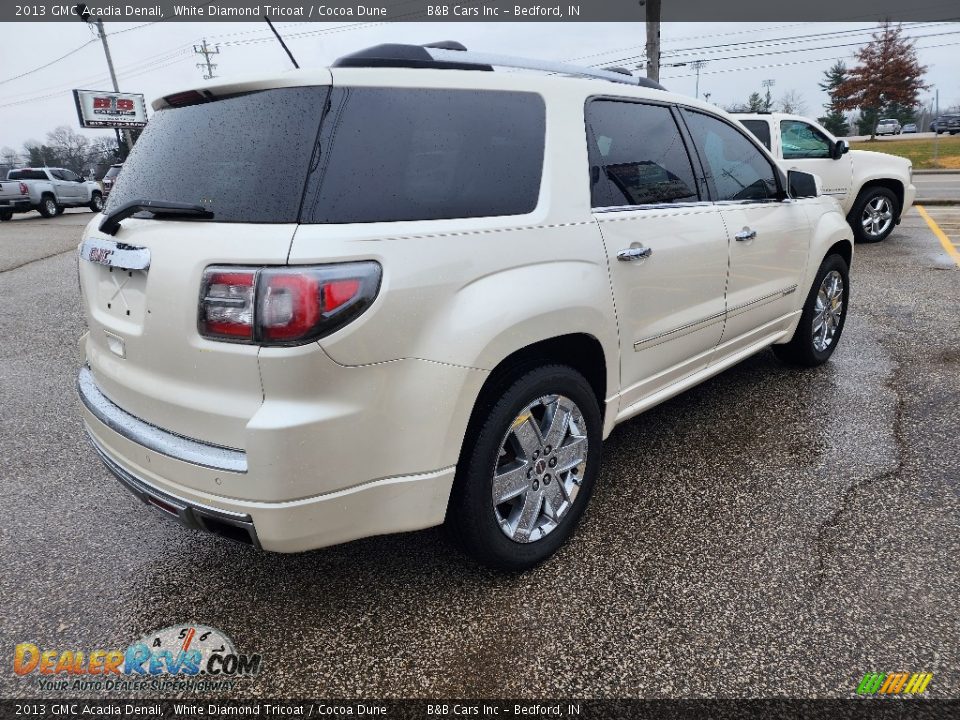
column 427, row 292
column 874, row 189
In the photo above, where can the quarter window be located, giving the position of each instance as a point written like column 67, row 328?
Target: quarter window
column 737, row 169
column 637, row 156
column 760, row 128
column 389, row 154
column 801, row 140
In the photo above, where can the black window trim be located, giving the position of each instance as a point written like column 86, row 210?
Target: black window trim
column 782, row 194
column 688, row 145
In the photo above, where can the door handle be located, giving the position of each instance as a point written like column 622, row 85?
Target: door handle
column 634, row 253
column 745, row 234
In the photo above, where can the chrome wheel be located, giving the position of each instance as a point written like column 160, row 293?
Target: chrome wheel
column 50, row 206
column 827, row 311
column 97, row 203
column 540, row 468
column 877, row 216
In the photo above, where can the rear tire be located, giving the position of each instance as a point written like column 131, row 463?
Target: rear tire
column 48, row 206
column 823, row 317
column 4, row 217
column 96, row 202
column 60, row 209
column 535, row 442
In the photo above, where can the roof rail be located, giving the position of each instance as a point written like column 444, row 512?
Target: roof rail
column 448, row 55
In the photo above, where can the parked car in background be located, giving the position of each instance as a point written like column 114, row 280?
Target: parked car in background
column 110, row 178
column 443, row 319
column 52, row 189
column 888, row 127
column 909, row 128
column 943, row 122
column 14, row 197
column 874, row 189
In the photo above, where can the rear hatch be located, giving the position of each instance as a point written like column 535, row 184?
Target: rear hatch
column 244, row 158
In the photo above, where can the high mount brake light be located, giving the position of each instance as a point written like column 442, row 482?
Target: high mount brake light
column 284, row 305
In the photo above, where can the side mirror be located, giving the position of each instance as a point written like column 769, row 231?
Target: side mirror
column 801, row 184
column 840, row 148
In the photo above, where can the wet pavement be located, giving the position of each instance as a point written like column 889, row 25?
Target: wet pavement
column 773, row 532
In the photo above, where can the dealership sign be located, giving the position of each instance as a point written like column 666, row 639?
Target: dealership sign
column 102, row 109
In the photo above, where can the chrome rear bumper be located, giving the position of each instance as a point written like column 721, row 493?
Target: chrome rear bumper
column 152, row 437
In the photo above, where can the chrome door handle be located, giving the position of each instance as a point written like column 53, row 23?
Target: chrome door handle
column 745, row 234
column 634, row 253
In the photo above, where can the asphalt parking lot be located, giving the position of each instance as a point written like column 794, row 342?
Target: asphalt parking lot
column 773, row 532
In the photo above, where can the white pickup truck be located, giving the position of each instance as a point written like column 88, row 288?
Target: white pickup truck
column 50, row 190
column 874, row 189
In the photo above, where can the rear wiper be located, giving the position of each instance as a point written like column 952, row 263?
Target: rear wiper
column 111, row 222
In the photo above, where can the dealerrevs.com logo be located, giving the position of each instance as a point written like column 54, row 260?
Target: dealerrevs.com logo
column 895, row 683
column 179, row 657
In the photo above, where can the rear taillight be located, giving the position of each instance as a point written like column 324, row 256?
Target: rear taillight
column 23, row 189
column 284, row 305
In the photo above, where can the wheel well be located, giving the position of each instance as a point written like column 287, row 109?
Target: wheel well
column 844, row 249
column 580, row 351
column 894, row 186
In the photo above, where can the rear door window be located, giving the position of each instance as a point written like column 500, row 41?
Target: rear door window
column 637, row 155
column 391, row 154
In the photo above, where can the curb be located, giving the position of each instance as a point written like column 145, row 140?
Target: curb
column 936, row 201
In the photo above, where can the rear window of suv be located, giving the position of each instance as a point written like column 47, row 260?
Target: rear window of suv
column 245, row 158
column 381, row 154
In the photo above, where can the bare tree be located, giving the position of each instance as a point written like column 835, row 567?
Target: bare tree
column 792, row 102
column 9, row 156
column 70, row 147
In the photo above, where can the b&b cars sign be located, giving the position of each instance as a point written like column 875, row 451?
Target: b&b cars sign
column 102, row 109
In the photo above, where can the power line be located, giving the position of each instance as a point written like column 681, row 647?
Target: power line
column 776, row 42
column 806, row 49
column 52, row 62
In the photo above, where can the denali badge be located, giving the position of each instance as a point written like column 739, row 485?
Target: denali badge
column 114, row 254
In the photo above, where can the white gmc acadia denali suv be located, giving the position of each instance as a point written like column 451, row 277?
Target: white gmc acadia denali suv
column 407, row 290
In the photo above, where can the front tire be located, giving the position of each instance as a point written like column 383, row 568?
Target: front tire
column 6, row 216
column 823, row 317
column 874, row 214
column 528, row 468
column 96, row 203
column 48, row 206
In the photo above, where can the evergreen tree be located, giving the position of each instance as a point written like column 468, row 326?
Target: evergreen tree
column 834, row 121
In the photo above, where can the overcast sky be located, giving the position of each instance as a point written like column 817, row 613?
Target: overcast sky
column 159, row 58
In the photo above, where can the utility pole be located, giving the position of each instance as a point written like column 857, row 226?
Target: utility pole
column 769, row 101
column 696, row 65
column 206, row 52
column 84, row 14
column 653, row 38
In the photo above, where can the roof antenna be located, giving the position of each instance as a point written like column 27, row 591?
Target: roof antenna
column 282, row 43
